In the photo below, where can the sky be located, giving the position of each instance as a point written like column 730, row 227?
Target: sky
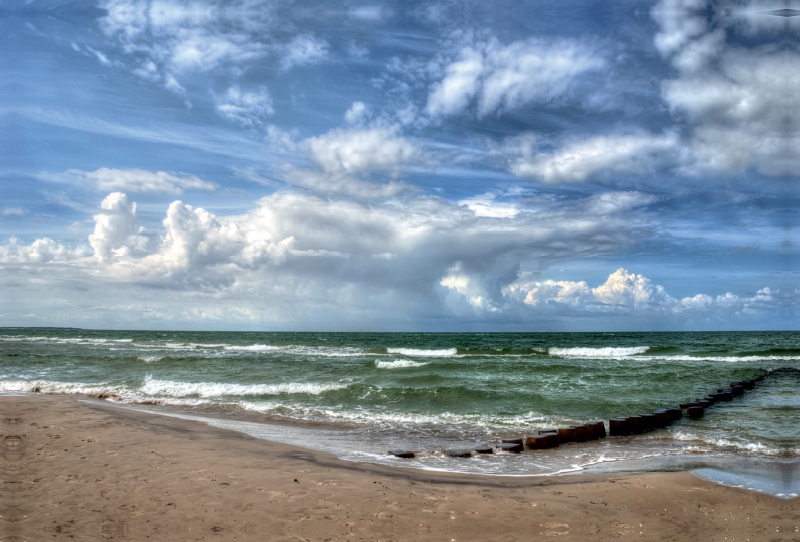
column 400, row 166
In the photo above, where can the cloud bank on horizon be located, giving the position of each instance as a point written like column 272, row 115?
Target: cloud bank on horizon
column 250, row 164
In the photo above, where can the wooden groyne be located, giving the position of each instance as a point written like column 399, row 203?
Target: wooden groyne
column 624, row 426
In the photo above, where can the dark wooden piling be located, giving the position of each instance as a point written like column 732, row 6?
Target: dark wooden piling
column 661, row 417
column 695, row 411
column 581, row 434
column 566, row 434
column 636, row 424
column 649, row 421
column 598, row 428
column 619, row 427
column 405, row 454
column 724, row 395
column 458, row 453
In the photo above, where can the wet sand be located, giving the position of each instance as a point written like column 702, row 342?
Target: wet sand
column 76, row 470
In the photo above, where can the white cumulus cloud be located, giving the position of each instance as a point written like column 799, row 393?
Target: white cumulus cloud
column 740, row 101
column 345, row 161
column 115, row 232
column 629, row 293
column 363, row 151
column 495, row 77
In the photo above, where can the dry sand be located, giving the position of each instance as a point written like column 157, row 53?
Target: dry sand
column 73, row 470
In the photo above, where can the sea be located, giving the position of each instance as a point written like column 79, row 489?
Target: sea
column 359, row 395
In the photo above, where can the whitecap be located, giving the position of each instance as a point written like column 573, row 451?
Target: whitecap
column 604, row 352
column 254, row 348
column 169, row 388
column 150, row 359
column 444, row 353
column 397, row 364
column 726, row 359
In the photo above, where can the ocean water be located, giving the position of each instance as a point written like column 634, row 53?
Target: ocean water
column 361, row 394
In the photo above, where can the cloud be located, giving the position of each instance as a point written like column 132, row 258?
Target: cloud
column 498, row 78
column 356, row 113
column 305, row 250
column 362, row 151
column 579, row 159
column 486, row 205
column 139, row 180
column 738, row 101
column 115, row 232
column 245, row 108
column 304, row 258
column 167, row 40
column 370, row 13
column 41, row 251
column 303, row 50
column 629, row 293
column 344, row 161
column 13, row 211
column 187, row 36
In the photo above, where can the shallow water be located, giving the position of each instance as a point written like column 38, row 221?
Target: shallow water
column 360, row 394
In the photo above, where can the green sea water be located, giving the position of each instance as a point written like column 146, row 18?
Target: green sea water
column 361, row 394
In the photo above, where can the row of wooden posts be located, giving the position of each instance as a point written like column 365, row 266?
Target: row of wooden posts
column 625, row 426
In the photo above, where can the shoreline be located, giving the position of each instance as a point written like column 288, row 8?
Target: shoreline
column 93, row 470
column 762, row 473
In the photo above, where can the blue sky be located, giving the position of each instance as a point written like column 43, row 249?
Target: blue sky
column 515, row 166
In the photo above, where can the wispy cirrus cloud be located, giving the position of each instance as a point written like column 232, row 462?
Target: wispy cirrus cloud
column 247, row 109
column 137, row 180
column 576, row 160
column 303, row 50
column 13, row 210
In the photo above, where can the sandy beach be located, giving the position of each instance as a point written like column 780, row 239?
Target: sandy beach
column 76, row 470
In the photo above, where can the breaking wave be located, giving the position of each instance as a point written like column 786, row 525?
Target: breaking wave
column 413, row 352
column 169, row 388
column 605, row 352
column 397, row 364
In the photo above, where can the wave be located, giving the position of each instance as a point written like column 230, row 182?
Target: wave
column 716, row 443
column 45, row 386
column 169, row 388
column 413, row 352
column 604, row 352
column 253, row 348
column 407, row 420
column 397, row 364
column 728, row 359
column 61, row 340
column 150, row 359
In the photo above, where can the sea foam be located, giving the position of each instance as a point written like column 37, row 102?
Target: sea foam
column 397, row 364
column 605, row 352
column 413, row 352
column 254, row 348
column 169, row 388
